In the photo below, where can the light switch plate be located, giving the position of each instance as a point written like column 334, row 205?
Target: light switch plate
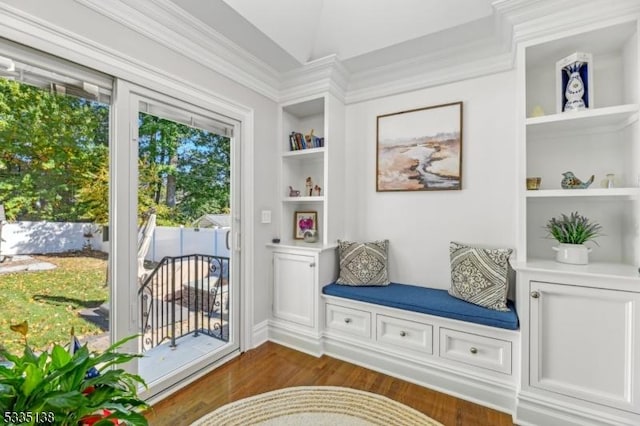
column 266, row 216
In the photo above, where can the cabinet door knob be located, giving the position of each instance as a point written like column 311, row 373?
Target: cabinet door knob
column 535, row 294
column 347, row 320
column 403, row 333
column 312, row 264
column 473, row 350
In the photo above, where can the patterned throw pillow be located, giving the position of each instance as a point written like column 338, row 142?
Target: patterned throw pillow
column 480, row 275
column 363, row 263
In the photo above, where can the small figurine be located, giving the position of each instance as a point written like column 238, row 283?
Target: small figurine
column 317, row 189
column 309, row 139
column 537, row 111
column 293, row 192
column 309, row 186
column 570, row 181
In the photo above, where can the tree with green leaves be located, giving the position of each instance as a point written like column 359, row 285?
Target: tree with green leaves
column 51, row 147
column 54, row 161
column 192, row 167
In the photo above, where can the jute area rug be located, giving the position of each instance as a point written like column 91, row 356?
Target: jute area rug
column 316, row 406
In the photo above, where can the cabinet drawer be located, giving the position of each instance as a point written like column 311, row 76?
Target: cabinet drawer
column 348, row 320
column 396, row 332
column 480, row 351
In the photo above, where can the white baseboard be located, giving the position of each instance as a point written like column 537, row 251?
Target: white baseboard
column 260, row 334
column 307, row 343
column 535, row 411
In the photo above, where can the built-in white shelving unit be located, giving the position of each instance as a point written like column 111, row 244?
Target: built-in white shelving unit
column 324, row 115
column 300, row 268
column 580, row 324
column 597, row 141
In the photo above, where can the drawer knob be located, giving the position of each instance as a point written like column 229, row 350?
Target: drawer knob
column 312, row 265
column 535, row 294
column 473, row 350
column 403, row 333
column 347, row 320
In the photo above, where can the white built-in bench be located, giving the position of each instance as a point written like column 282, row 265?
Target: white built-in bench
column 428, row 337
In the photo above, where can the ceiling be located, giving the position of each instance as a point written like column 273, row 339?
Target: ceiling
column 362, row 34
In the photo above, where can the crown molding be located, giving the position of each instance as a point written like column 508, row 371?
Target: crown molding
column 536, row 19
column 515, row 21
column 174, row 28
column 24, row 28
column 426, row 75
column 171, row 26
column 321, row 75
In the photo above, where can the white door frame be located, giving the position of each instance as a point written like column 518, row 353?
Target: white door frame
column 126, row 316
column 124, row 209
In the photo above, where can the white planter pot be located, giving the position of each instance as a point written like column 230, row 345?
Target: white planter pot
column 575, row 254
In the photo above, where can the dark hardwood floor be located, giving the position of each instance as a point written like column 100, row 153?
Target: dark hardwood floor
column 272, row 366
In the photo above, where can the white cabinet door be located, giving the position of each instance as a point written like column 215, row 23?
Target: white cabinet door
column 294, row 288
column 585, row 343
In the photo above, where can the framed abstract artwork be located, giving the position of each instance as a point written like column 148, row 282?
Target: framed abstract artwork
column 420, row 149
column 304, row 221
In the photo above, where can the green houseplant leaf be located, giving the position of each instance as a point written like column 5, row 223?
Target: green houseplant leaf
column 573, row 229
column 56, row 382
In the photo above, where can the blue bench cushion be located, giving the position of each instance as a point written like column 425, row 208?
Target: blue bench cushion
column 427, row 301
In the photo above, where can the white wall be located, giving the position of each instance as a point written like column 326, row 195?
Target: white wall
column 420, row 225
column 80, row 21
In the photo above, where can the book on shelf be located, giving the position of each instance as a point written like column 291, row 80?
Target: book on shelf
column 298, row 141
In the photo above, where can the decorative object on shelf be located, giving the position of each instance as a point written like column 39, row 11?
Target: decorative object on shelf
column 574, row 77
column 293, row 192
column 537, row 111
column 570, row 181
column 533, row 183
column 420, row 149
column 611, row 180
column 309, row 138
column 572, row 232
column 309, row 186
column 310, row 236
column 317, row 189
column 304, row 221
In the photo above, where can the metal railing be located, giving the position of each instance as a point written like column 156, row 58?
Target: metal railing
column 185, row 295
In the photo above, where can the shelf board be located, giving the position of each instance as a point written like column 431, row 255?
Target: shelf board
column 600, row 269
column 582, row 121
column 596, row 192
column 314, row 199
column 305, row 153
column 299, row 244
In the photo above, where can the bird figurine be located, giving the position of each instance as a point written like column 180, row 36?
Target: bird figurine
column 570, row 181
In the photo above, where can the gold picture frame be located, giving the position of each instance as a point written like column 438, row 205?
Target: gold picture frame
column 420, row 149
column 304, row 221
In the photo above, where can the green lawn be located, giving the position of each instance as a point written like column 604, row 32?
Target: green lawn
column 51, row 300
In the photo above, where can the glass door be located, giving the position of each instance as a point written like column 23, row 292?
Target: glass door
column 182, row 215
column 54, row 210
